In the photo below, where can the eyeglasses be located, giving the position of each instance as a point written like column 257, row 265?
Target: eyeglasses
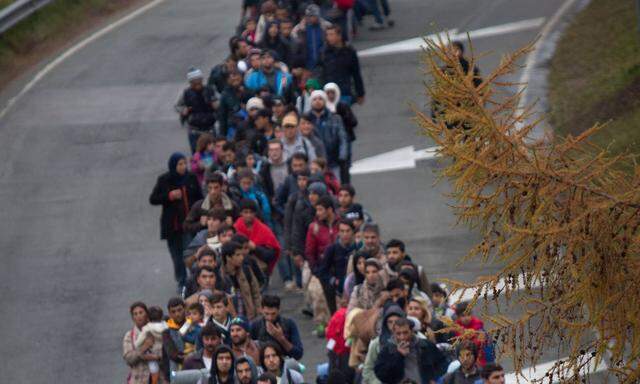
column 288, row 126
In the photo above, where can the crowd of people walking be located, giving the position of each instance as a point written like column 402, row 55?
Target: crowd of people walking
column 267, row 187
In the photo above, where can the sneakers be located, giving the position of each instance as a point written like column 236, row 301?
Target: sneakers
column 376, row 27
column 318, row 331
column 290, row 285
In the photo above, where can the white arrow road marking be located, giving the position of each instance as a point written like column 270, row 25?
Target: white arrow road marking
column 409, row 45
column 402, row 158
column 417, row 43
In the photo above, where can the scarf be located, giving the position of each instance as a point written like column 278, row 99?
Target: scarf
column 368, row 294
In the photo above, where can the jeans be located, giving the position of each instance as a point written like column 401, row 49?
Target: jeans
column 177, row 242
column 285, row 266
column 372, row 7
column 193, row 139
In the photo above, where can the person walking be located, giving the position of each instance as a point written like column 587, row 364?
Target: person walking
column 176, row 191
column 340, row 65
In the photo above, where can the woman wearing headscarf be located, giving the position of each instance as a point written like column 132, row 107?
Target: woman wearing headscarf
column 176, row 191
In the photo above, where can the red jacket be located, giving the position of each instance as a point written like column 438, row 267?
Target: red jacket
column 261, row 235
column 476, row 325
column 319, row 237
column 335, row 331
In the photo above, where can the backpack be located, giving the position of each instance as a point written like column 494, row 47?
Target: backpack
column 345, row 4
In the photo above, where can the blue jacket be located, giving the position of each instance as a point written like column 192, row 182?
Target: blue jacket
column 314, row 41
column 257, row 79
column 330, row 130
column 333, row 266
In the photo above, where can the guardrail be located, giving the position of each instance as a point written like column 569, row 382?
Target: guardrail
column 15, row 12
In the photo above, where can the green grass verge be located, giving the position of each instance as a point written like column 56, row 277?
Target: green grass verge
column 52, row 25
column 595, row 76
column 4, row 3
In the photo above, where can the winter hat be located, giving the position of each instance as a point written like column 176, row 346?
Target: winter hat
column 318, row 188
column 312, row 10
column 272, row 53
column 242, row 322
column 255, row 102
column 312, row 83
column 319, row 93
column 355, row 212
column 194, row 74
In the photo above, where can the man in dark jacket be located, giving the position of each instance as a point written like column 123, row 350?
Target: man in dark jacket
column 231, row 100
column 396, row 257
column 332, row 269
column 297, row 163
column 196, row 220
column 210, row 339
column 468, row 372
column 340, row 65
column 275, row 328
column 407, row 357
column 303, row 215
column 197, row 107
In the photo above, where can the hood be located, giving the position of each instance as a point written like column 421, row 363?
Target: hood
column 332, row 87
column 173, row 161
column 223, row 348
column 389, row 310
column 252, row 364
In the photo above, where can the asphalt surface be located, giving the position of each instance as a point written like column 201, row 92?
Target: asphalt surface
column 80, row 153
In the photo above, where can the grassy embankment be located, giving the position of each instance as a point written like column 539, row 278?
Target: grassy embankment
column 49, row 29
column 595, row 76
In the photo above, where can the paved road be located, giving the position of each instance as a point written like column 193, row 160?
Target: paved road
column 80, row 153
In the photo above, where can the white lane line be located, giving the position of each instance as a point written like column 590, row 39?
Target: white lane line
column 397, row 159
column 404, row 46
column 69, row 52
column 417, row 43
column 538, row 372
column 461, row 295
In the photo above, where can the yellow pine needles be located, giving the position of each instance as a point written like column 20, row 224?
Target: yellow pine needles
column 560, row 216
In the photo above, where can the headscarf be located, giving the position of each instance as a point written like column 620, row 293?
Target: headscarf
column 332, row 87
column 176, row 178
